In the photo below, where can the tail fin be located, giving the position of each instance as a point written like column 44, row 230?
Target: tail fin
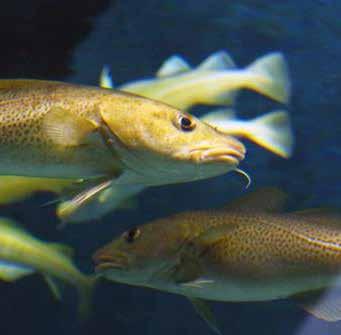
column 273, row 132
column 85, row 283
column 272, row 77
column 85, row 292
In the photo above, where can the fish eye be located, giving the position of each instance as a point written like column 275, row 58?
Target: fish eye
column 186, row 123
column 131, row 235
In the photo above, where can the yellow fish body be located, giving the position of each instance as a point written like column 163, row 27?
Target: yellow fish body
column 22, row 254
column 247, row 251
column 58, row 130
column 214, row 82
column 15, row 188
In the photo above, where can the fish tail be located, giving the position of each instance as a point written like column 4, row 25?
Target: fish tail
column 272, row 131
column 271, row 77
column 85, row 292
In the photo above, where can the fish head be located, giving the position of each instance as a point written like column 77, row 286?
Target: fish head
column 143, row 255
column 164, row 145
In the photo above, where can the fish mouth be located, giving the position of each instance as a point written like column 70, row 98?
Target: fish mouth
column 230, row 155
column 104, row 261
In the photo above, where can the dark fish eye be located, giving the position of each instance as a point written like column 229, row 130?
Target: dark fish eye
column 131, row 235
column 186, row 123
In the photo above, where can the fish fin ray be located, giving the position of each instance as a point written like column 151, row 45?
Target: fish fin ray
column 172, row 66
column 54, row 286
column 65, row 128
column 204, row 310
column 67, row 208
column 218, row 61
column 272, row 77
column 197, row 283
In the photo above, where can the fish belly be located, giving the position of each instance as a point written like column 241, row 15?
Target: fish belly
column 41, row 162
column 258, row 290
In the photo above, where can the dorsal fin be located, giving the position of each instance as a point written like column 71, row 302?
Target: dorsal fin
column 172, row 66
column 105, row 79
column 267, row 199
column 219, row 60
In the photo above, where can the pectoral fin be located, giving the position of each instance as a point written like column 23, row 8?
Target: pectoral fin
column 323, row 305
column 205, row 312
column 67, row 208
column 66, row 128
column 11, row 272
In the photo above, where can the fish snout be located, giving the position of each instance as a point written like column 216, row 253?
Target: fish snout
column 107, row 259
column 231, row 152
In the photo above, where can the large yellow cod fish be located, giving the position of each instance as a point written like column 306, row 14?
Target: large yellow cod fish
column 59, row 130
column 247, row 251
column 22, row 254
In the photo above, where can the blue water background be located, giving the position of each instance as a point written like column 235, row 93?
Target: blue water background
column 71, row 40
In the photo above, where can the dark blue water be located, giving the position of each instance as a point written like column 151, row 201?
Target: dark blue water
column 71, row 40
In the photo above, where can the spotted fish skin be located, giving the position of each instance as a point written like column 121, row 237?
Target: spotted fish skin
column 245, row 251
column 24, row 147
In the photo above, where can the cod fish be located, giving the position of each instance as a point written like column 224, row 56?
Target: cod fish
column 214, row 82
column 22, row 254
column 249, row 250
column 104, row 137
column 271, row 131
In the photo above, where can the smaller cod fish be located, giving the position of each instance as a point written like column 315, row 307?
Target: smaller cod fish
column 22, row 254
column 214, row 82
column 247, row 251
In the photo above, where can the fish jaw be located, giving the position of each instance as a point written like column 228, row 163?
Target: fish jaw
column 232, row 153
column 115, row 266
column 194, row 162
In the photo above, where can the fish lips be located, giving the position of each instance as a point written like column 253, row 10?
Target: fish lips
column 231, row 153
column 105, row 261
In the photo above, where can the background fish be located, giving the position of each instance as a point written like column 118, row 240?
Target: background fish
column 214, row 82
column 247, row 251
column 22, row 254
